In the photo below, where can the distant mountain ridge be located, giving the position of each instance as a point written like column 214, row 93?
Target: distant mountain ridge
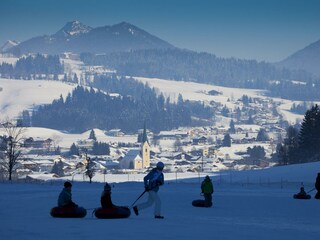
column 8, row 44
column 307, row 59
column 73, row 28
column 77, row 37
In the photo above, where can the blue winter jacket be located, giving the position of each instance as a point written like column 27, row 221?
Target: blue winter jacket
column 65, row 198
column 154, row 179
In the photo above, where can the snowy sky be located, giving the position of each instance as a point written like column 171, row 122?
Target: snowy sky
column 269, row 30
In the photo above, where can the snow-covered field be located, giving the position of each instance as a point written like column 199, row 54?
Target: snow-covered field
column 19, row 95
column 199, row 92
column 247, row 205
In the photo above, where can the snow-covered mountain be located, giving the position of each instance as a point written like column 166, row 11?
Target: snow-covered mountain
column 77, row 37
column 307, row 59
column 73, row 28
column 8, row 44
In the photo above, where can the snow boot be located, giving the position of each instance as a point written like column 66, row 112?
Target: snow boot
column 159, row 217
column 136, row 211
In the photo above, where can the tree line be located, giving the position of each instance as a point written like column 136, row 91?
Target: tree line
column 29, row 67
column 85, row 109
column 302, row 144
column 202, row 67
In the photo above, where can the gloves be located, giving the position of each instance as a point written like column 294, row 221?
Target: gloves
column 147, row 188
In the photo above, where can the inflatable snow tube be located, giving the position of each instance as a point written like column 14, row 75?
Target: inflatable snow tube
column 68, row 212
column 299, row 196
column 200, row 203
column 115, row 212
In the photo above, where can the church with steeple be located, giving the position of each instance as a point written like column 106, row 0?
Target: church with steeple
column 138, row 158
column 145, row 149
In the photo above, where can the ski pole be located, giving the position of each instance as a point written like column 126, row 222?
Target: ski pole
column 139, row 197
column 312, row 190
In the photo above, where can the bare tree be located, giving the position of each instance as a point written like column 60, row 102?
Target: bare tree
column 12, row 142
column 90, row 170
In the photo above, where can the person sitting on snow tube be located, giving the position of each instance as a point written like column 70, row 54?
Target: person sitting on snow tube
column 207, row 190
column 65, row 197
column 105, row 199
column 302, row 192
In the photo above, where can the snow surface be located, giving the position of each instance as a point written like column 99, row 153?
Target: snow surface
column 247, row 205
column 199, row 92
column 19, row 95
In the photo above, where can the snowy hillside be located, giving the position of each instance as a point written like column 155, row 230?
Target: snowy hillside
column 244, row 207
column 19, row 95
column 199, row 92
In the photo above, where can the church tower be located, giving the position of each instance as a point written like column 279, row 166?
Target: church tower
column 145, row 149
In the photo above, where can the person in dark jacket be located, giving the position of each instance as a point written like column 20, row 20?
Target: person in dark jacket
column 105, row 199
column 152, row 181
column 207, row 190
column 65, row 197
column 302, row 192
column 317, row 186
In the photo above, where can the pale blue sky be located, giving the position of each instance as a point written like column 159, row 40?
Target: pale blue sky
column 267, row 30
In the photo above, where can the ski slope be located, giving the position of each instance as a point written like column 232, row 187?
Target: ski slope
column 246, row 206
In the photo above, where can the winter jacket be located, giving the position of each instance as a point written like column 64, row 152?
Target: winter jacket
column 154, row 179
column 65, row 198
column 105, row 200
column 206, row 186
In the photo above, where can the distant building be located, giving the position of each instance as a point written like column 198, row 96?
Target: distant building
column 138, row 158
column 199, row 141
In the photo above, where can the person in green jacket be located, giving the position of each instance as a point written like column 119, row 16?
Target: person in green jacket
column 65, row 197
column 207, row 190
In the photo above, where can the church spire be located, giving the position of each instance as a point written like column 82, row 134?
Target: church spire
column 144, row 135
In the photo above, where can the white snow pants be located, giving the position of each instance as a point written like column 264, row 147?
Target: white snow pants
column 153, row 198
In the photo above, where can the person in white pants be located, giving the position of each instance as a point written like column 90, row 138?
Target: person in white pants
column 152, row 181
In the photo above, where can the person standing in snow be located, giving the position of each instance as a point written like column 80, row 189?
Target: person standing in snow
column 105, row 199
column 152, row 181
column 65, row 197
column 207, row 190
column 317, row 186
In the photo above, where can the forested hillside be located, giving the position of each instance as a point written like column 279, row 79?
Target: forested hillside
column 86, row 109
column 28, row 67
column 187, row 65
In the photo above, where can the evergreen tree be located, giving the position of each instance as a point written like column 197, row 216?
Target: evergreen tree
column 75, row 78
column 226, row 142
column 232, row 128
column 263, row 135
column 281, row 154
column 74, row 150
column 309, row 139
column 257, row 152
column 100, row 148
column 225, row 111
column 58, row 168
column 92, row 135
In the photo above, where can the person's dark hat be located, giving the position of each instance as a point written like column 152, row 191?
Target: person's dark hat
column 67, row 184
column 160, row 165
column 107, row 187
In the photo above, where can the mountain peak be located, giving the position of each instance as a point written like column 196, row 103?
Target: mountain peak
column 8, row 44
column 73, row 28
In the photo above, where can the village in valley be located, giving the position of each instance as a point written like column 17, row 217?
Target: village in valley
column 243, row 135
